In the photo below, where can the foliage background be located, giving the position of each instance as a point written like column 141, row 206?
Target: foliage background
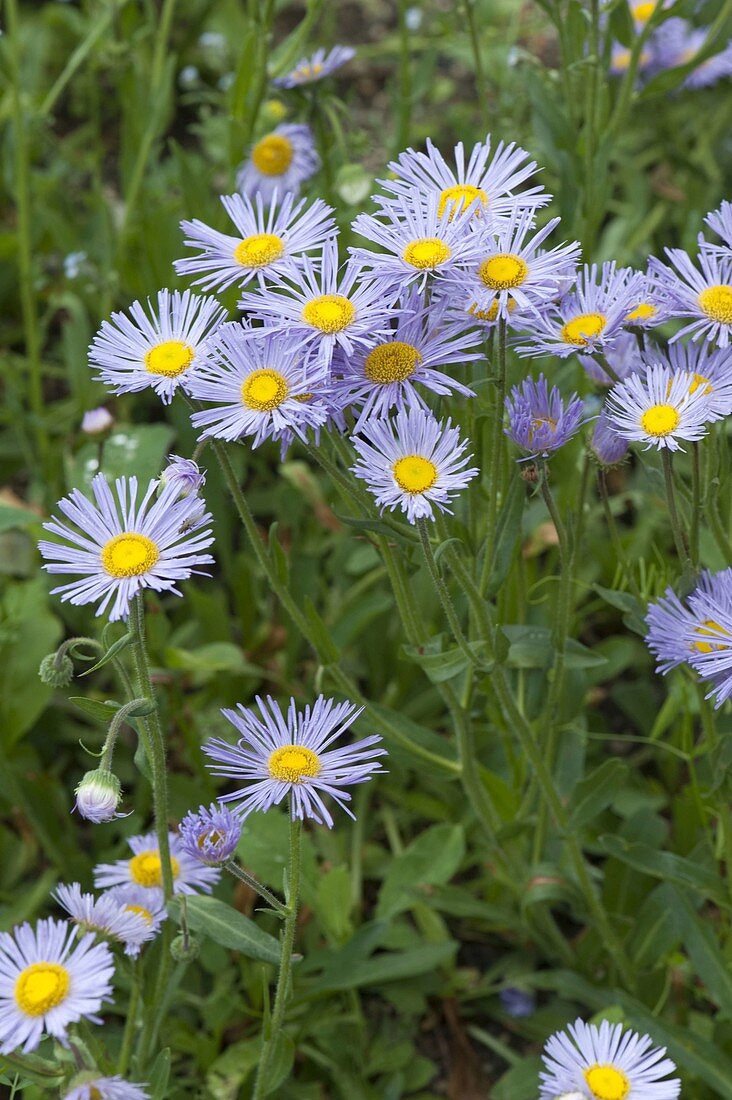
column 115, row 125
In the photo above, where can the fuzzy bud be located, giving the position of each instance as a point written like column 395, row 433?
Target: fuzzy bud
column 56, row 671
column 98, row 796
column 184, row 948
column 97, row 421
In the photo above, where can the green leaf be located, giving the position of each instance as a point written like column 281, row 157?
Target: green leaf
column 333, row 903
column 328, row 651
column 440, row 665
column 392, row 966
column 430, row 860
column 669, row 867
column 709, row 962
column 509, row 532
column 159, row 1075
column 138, row 447
column 28, row 631
column 396, row 728
column 532, row 647
column 13, row 517
column 111, row 653
column 227, row 927
column 655, row 928
column 93, row 708
column 594, row 793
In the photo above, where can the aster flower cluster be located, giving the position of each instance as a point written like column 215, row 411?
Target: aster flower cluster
column 672, row 43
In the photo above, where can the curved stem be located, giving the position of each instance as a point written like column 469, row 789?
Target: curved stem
column 680, row 542
column 244, row 876
column 130, row 1023
column 612, row 527
column 443, row 594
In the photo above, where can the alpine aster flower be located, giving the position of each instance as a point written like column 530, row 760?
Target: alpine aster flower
column 97, row 421
column 659, row 408
column 89, row 1086
column 708, row 370
column 118, row 547
column 310, row 69
column 49, row 980
column 268, row 241
column 160, row 348
column 210, row 835
column 289, row 754
column 184, row 474
column 609, row 448
column 606, row 1063
column 704, row 297
column 622, row 356
column 720, row 222
column 678, row 630
column 147, row 902
column 145, row 868
column 413, row 462
column 259, row 385
column 279, row 162
column 98, row 796
column 106, row 917
column 539, row 422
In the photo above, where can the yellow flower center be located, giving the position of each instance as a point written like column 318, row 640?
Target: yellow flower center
column 643, row 12
column 491, row 313
column 503, row 271
column 622, row 59
column 711, row 628
column 459, row 198
column 660, row 420
column 716, row 302
column 698, row 381
column 94, row 1093
column 129, row 555
column 392, row 362
column 259, row 250
column 293, row 763
column 146, row 868
column 542, row 422
column 272, row 156
column 40, row 987
column 141, row 912
column 414, row 474
column 642, row 312
column 581, row 329
column 169, row 359
column 264, row 390
column 426, row 253
column 214, row 837
column 607, row 1083
column 330, row 313
column 308, row 72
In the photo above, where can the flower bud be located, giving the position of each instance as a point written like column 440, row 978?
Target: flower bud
column 98, row 796
column 210, row 835
column 609, row 448
column 58, row 672
column 184, row 948
column 97, row 421
column 183, row 473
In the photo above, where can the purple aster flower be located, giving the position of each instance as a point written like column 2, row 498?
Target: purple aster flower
column 279, row 162
column 588, row 317
column 609, row 448
column 105, row 916
column 720, row 222
column 677, row 630
column 648, row 309
column 539, row 422
column 677, row 43
column 290, row 754
column 413, row 462
column 259, row 385
column 493, row 182
column 98, row 796
column 268, row 240
column 518, row 1003
column 709, row 371
column 326, row 309
column 97, row 421
column 145, row 868
column 659, row 408
column 705, row 297
column 620, row 59
column 310, row 69
column 393, row 374
column 90, row 1086
column 185, row 474
column 49, row 980
column 415, row 242
column 622, row 356
column 161, row 350
column 512, row 273
column 118, row 546
column 147, row 902
column 210, row 835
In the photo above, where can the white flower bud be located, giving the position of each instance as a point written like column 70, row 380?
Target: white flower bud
column 98, row 796
column 97, row 421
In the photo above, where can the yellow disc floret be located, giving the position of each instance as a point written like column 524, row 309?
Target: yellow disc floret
column 426, row 253
column 642, row 12
column 491, row 313
column 141, row 912
column 272, row 156
column 293, row 764
column 329, row 312
column 459, row 198
column 607, row 1083
column 642, row 312
column 392, row 362
column 146, row 868
column 503, row 271
column 129, row 555
column 699, row 382
column 264, row 390
column 716, row 302
column 41, row 987
column 711, row 629
column 660, row 420
column 259, row 250
column 581, row 329
column 414, row 474
column 169, row 359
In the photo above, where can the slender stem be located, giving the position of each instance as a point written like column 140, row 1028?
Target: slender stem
column 612, row 526
column 444, row 595
column 123, row 715
column 592, row 216
column 325, row 147
column 495, row 456
column 696, row 502
column 404, row 102
column 130, row 1023
column 480, row 82
column 244, row 876
column 679, row 536
column 283, row 980
column 161, row 43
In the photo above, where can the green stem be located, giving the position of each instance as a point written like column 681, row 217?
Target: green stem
column 283, row 980
column 443, row 594
column 130, row 1023
column 480, row 82
column 244, row 876
column 125, row 712
column 404, row 102
column 679, row 536
column 495, row 456
column 612, row 527
column 592, row 216
column 696, row 500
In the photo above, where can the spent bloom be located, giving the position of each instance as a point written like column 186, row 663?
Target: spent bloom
column 290, row 754
column 90, row 1086
column 413, row 462
column 98, row 796
column 210, row 835
column 310, row 69
column 105, row 916
column 145, row 868
column 97, row 421
column 539, row 421
column 157, row 347
column 268, row 240
column 279, row 162
column 606, row 1063
column 703, row 297
column 659, row 408
column 49, row 980
column 118, row 546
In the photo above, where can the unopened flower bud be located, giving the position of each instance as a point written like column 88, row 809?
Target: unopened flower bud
column 607, row 446
column 183, row 473
column 56, row 671
column 98, row 796
column 184, row 948
column 97, row 421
